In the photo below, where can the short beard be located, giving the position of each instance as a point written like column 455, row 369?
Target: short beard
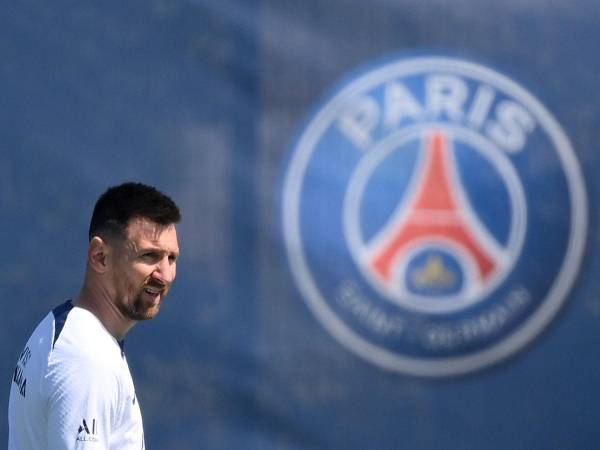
column 136, row 311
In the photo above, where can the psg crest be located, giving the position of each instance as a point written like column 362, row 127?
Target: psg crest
column 434, row 215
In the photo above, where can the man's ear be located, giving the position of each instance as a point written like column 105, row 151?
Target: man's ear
column 98, row 254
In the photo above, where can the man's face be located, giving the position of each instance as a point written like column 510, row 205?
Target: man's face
column 144, row 267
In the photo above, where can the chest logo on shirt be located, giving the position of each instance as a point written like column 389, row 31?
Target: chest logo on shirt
column 87, row 431
column 434, row 215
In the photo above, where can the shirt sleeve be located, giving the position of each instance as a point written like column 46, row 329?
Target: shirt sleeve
column 82, row 404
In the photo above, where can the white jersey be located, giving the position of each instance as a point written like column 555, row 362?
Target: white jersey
column 72, row 388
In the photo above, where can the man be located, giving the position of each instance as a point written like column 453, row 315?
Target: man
column 72, row 388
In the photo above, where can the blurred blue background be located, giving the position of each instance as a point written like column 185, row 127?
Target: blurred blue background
column 203, row 98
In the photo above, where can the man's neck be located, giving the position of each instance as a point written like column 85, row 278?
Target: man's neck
column 98, row 302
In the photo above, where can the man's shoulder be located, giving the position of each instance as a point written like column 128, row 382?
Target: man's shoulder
column 75, row 367
column 81, row 329
column 83, row 341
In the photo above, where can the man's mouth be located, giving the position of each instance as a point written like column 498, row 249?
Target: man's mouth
column 153, row 290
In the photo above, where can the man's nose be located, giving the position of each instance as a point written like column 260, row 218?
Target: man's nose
column 165, row 271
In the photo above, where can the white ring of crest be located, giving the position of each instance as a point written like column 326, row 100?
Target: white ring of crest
column 293, row 238
column 505, row 258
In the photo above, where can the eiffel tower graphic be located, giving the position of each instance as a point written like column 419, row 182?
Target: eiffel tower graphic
column 437, row 213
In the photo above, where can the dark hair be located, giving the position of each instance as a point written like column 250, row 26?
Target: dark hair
column 119, row 204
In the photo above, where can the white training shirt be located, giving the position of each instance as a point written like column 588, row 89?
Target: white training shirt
column 72, row 388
